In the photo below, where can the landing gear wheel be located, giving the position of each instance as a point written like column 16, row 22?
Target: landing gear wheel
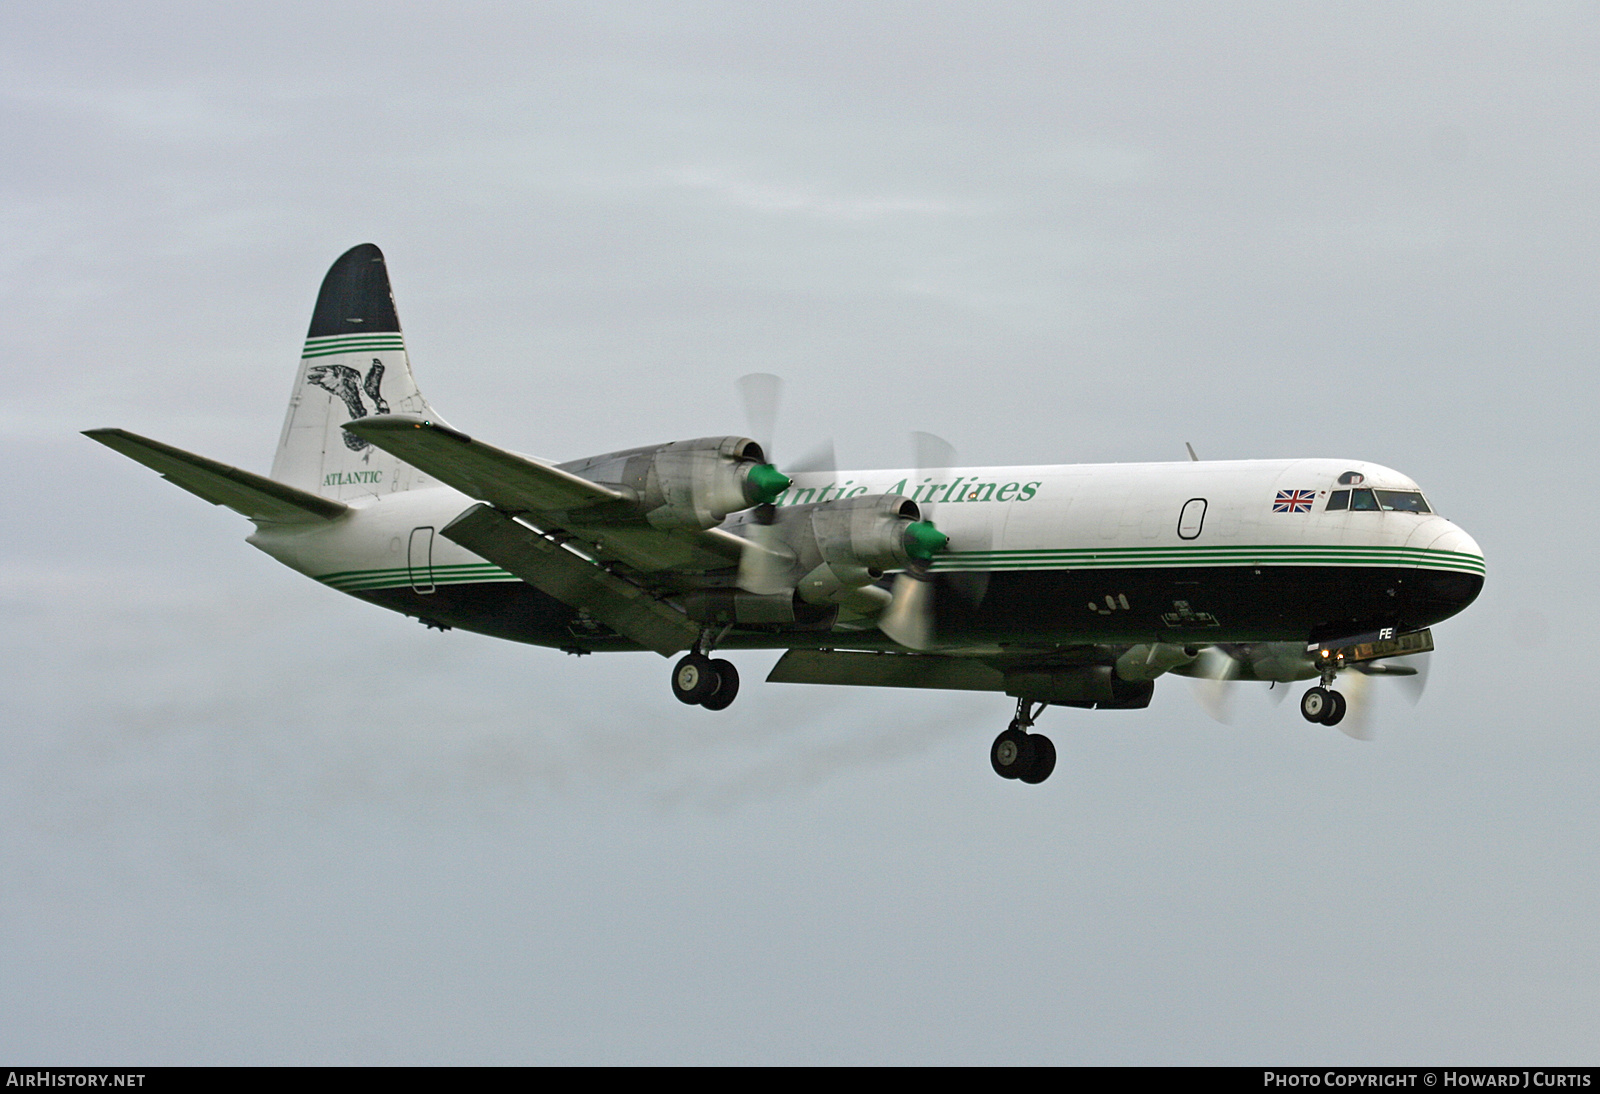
column 1044, row 759
column 1336, row 708
column 727, row 685
column 1012, row 753
column 1315, row 704
column 694, row 679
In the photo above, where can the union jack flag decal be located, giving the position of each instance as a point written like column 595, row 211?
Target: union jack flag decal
column 1293, row 501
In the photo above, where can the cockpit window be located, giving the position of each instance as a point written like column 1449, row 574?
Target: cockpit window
column 1401, row 501
column 1372, row 501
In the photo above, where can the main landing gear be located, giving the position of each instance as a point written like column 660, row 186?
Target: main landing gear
column 1018, row 754
column 700, row 680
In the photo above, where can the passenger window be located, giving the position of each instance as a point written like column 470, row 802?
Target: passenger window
column 1339, row 499
column 1363, row 500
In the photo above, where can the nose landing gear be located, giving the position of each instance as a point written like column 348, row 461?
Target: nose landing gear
column 1018, row 754
column 1322, row 704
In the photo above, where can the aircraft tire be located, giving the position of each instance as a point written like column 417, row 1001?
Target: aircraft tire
column 1337, row 705
column 727, row 685
column 1011, row 754
column 1044, row 759
column 694, row 679
column 1315, row 704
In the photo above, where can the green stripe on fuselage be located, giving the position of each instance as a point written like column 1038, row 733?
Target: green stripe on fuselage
column 1084, row 558
column 1099, row 558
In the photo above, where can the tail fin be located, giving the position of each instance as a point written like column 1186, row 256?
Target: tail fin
column 354, row 364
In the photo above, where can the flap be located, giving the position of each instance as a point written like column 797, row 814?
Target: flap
column 549, row 567
column 255, row 496
column 886, row 670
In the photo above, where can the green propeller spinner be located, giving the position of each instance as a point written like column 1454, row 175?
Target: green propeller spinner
column 923, row 540
column 765, row 483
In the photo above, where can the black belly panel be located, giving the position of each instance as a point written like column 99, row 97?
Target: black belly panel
column 1219, row 604
column 1032, row 607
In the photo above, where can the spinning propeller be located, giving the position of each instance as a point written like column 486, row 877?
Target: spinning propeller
column 909, row 618
column 1410, row 673
column 762, row 394
column 1217, row 667
column 1213, row 671
column 767, row 563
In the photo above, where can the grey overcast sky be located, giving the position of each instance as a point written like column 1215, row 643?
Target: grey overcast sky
column 245, row 819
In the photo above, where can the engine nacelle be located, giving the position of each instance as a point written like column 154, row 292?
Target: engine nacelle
column 688, row 484
column 1146, row 661
column 842, row 547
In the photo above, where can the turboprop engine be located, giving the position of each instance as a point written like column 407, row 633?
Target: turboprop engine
column 832, row 552
column 688, row 484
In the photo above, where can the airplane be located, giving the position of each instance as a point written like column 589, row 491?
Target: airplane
column 1073, row 585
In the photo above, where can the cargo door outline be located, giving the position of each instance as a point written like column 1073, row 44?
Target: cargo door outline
column 1192, row 518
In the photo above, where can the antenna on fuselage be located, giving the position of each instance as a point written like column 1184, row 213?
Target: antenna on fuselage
column 1192, row 456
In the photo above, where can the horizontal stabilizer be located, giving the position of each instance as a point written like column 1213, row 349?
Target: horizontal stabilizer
column 571, row 579
column 513, row 483
column 255, row 496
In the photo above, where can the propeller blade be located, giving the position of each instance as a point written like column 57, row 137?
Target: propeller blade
column 762, row 395
column 933, row 453
column 1357, row 721
column 1411, row 673
column 766, row 565
column 1414, row 685
column 1213, row 671
column 761, row 392
column 929, row 453
column 819, row 460
column 909, row 617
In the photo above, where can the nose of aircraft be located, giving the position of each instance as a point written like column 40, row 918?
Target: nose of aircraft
column 1454, row 574
column 1439, row 534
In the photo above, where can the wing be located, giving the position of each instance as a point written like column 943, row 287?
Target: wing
column 886, row 670
column 601, row 519
column 1070, row 676
column 255, row 496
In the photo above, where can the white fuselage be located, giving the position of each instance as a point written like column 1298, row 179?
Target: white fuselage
column 1142, row 530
